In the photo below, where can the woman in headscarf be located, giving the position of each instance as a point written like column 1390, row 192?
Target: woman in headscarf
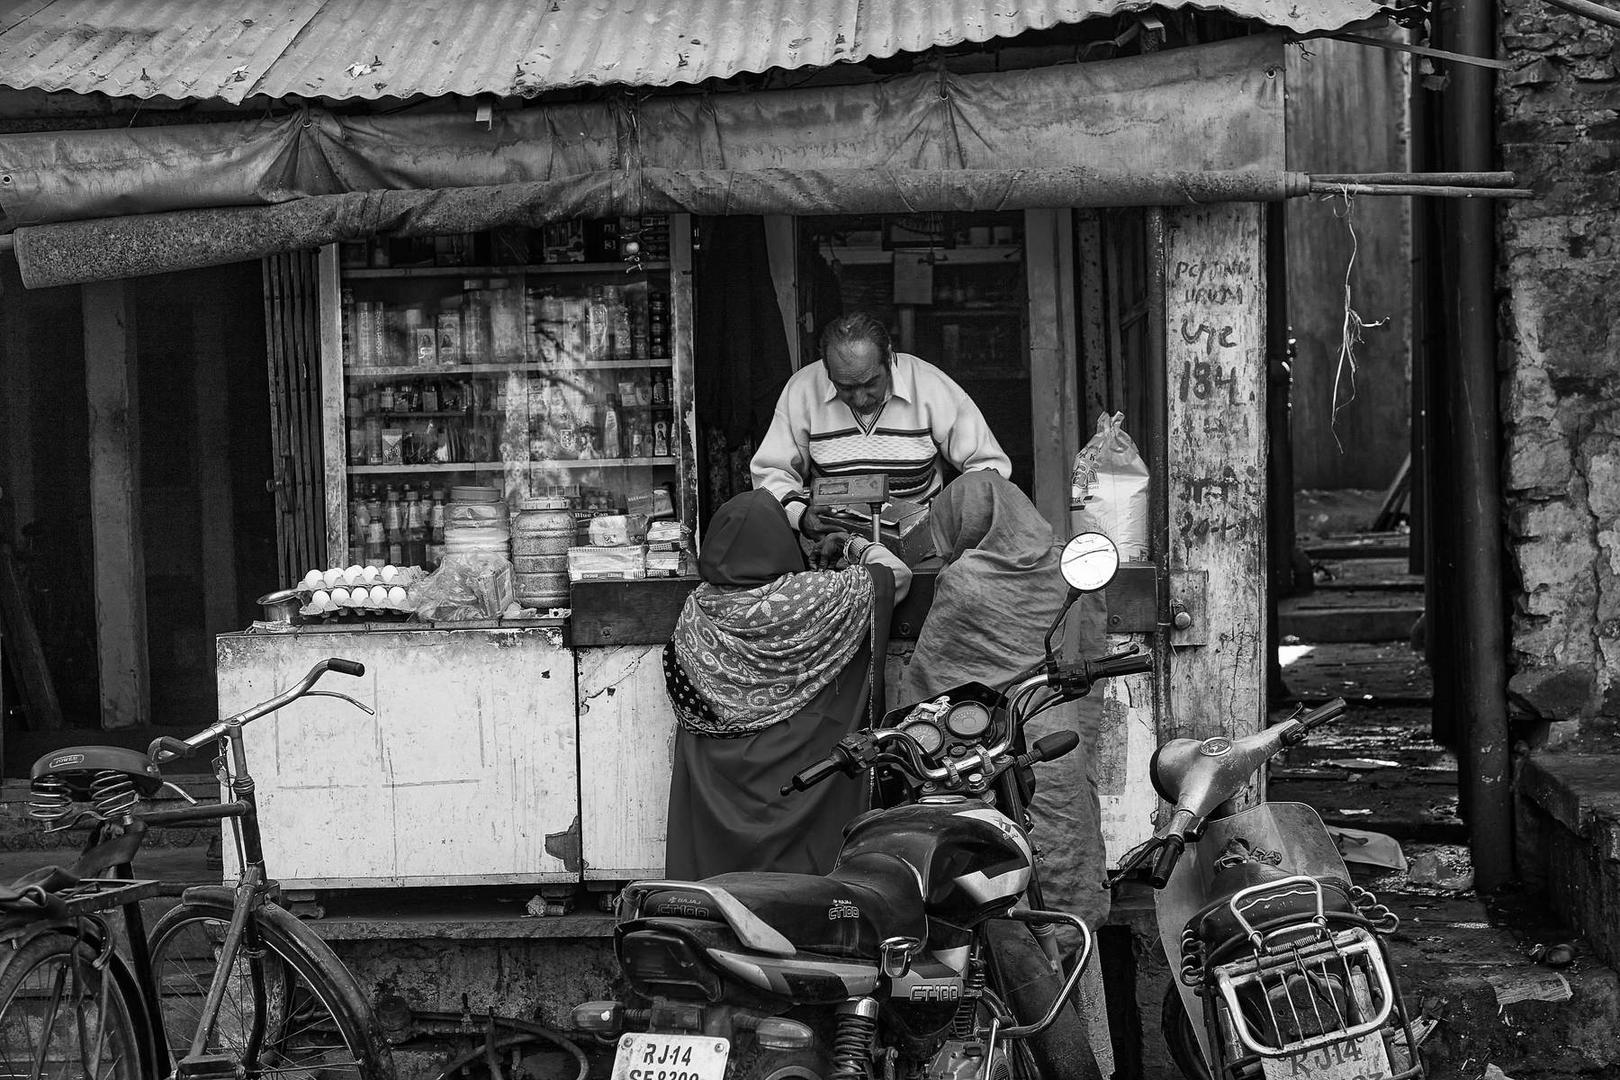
column 999, row 591
column 770, row 665
column 993, row 602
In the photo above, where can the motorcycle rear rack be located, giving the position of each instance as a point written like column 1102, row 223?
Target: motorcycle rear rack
column 750, row 929
column 1347, row 957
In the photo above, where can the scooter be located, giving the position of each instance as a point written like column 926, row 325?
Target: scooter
column 920, row 956
column 1280, row 964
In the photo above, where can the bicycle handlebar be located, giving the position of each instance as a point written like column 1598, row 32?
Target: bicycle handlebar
column 166, row 749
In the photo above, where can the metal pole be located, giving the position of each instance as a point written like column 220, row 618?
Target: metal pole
column 1158, row 402
column 1280, row 443
column 1474, row 419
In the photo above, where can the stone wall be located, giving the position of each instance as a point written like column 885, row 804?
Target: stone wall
column 1559, row 265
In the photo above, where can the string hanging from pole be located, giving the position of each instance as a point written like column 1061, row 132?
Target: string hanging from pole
column 1350, row 334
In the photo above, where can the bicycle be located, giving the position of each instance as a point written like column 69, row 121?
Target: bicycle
column 229, row 984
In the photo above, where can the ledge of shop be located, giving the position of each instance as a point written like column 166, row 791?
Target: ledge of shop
column 1569, row 839
column 461, row 926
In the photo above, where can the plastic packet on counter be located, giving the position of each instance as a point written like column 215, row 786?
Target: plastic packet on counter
column 471, row 585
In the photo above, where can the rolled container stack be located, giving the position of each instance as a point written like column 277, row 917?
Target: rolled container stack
column 542, row 534
column 475, row 522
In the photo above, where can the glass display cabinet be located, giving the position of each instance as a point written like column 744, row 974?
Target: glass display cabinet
column 550, row 361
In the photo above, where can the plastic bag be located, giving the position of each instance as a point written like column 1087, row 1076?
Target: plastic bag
column 472, row 585
column 1108, row 489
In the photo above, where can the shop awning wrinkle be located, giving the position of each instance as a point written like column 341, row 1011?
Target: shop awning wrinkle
column 339, row 50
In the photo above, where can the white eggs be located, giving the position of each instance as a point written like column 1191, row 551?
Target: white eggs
column 379, row 595
column 340, row 597
column 320, row 600
column 388, row 573
column 368, row 574
column 314, row 579
column 332, row 577
column 396, row 596
column 352, row 575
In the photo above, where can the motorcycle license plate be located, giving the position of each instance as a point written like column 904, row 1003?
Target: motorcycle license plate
column 646, row 1056
column 1358, row 1059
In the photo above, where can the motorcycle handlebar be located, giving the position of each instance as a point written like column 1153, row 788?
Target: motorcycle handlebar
column 1304, row 723
column 811, row 775
column 1112, row 667
column 1165, row 862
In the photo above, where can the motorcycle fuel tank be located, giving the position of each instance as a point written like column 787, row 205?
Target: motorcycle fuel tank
column 970, row 858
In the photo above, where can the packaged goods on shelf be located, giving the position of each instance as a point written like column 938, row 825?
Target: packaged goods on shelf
column 617, row 530
column 672, row 562
column 607, row 563
column 669, row 532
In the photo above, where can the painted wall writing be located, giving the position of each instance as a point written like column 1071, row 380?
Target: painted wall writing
column 1215, row 330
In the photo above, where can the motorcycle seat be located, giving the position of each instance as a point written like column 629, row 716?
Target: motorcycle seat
column 1215, row 923
column 869, row 898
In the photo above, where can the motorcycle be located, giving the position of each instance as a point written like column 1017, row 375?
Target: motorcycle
column 924, row 955
column 1281, row 960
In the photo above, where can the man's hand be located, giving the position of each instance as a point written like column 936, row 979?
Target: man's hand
column 829, row 551
column 812, row 527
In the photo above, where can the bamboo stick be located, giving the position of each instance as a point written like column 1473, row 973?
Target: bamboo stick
column 1596, row 12
column 1463, row 179
column 1450, row 191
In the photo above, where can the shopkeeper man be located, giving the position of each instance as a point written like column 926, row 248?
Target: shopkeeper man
column 864, row 408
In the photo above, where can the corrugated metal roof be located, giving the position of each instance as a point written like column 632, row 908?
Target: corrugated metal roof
column 341, row 49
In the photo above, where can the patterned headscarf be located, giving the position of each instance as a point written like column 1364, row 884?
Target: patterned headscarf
column 758, row 640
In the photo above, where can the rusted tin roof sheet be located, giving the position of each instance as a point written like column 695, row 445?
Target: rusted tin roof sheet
column 232, row 50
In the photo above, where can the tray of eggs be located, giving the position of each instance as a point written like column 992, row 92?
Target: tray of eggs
column 359, row 590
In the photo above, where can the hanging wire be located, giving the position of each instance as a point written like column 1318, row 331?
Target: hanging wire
column 1350, row 334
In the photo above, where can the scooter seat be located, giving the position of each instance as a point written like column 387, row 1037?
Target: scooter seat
column 1215, row 922
column 869, row 898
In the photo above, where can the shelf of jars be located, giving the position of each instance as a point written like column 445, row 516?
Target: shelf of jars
column 497, row 466
column 538, row 269
column 426, row 370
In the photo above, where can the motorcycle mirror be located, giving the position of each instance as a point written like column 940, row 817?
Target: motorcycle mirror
column 1089, row 561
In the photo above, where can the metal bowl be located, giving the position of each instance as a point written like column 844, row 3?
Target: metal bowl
column 281, row 606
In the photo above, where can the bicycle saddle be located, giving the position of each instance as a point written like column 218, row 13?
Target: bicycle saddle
column 76, row 766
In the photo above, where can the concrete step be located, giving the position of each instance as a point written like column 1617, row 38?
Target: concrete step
column 1569, row 838
column 1349, row 615
column 1490, row 1003
column 1389, row 574
column 1365, row 673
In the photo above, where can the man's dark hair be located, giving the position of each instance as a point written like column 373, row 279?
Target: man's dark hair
column 857, row 326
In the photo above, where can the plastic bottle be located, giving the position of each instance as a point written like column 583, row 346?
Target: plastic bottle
column 611, row 445
column 415, row 543
column 393, row 528
column 376, row 548
column 435, row 525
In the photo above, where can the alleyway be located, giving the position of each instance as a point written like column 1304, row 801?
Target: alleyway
column 1467, row 967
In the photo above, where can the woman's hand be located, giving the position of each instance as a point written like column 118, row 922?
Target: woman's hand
column 829, row 551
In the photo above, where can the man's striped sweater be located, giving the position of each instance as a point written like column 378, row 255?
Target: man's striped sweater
column 927, row 422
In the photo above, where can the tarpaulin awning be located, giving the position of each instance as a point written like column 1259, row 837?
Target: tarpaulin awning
column 1214, row 107
column 337, row 50
column 1199, row 124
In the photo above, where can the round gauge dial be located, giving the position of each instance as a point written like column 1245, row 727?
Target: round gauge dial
column 928, row 737
column 969, row 719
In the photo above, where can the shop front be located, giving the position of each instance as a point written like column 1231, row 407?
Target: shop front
column 549, row 366
column 467, row 325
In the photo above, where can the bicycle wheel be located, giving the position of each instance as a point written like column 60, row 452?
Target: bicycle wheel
column 297, row 1002
column 62, row 1018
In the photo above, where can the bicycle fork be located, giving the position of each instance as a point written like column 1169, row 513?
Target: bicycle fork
column 241, row 934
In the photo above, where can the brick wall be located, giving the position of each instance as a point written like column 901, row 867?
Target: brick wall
column 1559, row 114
